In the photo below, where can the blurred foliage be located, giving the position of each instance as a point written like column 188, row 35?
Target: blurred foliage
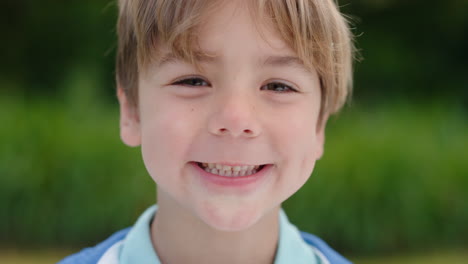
column 392, row 178
column 411, row 49
column 66, row 177
column 394, row 175
column 47, row 42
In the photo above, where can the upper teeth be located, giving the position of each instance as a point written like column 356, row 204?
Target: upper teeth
column 230, row 171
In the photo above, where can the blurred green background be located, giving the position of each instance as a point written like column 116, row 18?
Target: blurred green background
column 393, row 181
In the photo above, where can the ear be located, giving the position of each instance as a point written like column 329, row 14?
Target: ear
column 129, row 121
column 320, row 137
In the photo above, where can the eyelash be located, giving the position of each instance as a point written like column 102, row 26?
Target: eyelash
column 279, row 84
column 190, row 82
column 195, row 81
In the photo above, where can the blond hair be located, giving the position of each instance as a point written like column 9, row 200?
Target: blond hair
column 315, row 30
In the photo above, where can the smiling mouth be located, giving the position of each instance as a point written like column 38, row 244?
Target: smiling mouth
column 230, row 171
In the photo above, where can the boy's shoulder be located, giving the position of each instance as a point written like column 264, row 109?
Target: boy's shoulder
column 93, row 254
column 322, row 249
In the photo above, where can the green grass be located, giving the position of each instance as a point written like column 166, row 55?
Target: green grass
column 52, row 256
column 47, row 256
column 430, row 258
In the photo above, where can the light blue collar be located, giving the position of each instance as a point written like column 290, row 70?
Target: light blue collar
column 137, row 247
column 291, row 247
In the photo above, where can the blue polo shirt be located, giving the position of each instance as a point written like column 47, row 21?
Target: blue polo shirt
column 137, row 246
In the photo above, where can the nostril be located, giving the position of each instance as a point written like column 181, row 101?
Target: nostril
column 246, row 132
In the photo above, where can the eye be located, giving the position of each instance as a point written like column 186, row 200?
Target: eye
column 278, row 87
column 192, row 81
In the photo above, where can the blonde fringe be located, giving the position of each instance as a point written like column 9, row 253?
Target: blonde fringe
column 315, row 29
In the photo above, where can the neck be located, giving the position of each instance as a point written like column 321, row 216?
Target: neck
column 178, row 236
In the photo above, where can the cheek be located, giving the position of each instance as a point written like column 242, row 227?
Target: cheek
column 304, row 151
column 297, row 133
column 167, row 132
column 298, row 144
column 307, row 148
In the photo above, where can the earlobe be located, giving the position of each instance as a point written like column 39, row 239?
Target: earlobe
column 129, row 121
column 320, row 142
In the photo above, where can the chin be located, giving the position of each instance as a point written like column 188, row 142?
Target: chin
column 229, row 219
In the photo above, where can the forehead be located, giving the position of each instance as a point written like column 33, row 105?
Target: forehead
column 231, row 33
column 232, row 27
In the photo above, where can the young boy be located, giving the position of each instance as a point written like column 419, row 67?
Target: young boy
column 228, row 101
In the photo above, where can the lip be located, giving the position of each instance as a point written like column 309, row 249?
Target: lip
column 222, row 183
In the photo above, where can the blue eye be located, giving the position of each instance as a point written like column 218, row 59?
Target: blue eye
column 278, row 87
column 193, row 81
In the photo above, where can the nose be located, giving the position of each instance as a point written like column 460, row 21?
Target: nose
column 234, row 115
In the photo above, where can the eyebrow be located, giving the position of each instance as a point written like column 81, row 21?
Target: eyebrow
column 172, row 58
column 273, row 61
column 283, row 61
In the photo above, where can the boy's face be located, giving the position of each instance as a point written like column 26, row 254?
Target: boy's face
column 239, row 111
